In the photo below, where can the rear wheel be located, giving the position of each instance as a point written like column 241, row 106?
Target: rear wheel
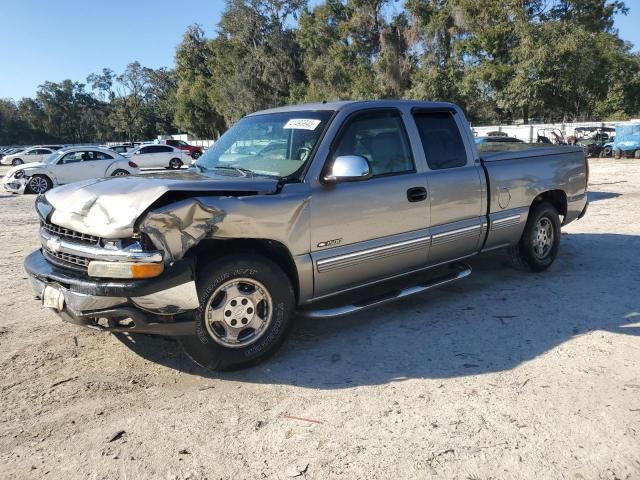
column 617, row 153
column 39, row 184
column 175, row 163
column 246, row 309
column 196, row 155
column 538, row 247
column 636, row 154
column 119, row 173
column 16, row 161
column 607, row 151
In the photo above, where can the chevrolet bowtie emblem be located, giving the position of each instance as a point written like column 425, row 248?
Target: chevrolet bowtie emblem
column 53, row 244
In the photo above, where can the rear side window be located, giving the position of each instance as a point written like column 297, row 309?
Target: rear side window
column 101, row 156
column 441, row 140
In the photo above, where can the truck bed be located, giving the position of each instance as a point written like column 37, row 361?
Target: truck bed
column 497, row 152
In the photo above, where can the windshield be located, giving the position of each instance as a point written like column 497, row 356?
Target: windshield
column 274, row 144
column 51, row 159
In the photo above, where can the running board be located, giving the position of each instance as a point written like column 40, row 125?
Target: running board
column 462, row 270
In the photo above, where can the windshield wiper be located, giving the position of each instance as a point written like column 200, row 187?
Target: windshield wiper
column 242, row 171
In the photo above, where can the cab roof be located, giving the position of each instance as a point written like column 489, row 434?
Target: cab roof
column 341, row 104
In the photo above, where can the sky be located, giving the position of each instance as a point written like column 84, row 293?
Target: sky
column 51, row 40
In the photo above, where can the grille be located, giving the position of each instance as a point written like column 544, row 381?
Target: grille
column 67, row 260
column 70, row 234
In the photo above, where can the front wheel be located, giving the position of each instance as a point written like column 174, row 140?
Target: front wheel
column 119, row 173
column 16, row 161
column 538, row 247
column 39, row 184
column 175, row 163
column 636, row 154
column 607, row 151
column 196, row 155
column 246, row 309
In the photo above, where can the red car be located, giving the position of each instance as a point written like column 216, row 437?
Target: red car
column 193, row 151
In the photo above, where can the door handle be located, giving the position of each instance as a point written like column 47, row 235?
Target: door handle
column 417, row 194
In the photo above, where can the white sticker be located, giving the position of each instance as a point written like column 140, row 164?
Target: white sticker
column 302, row 123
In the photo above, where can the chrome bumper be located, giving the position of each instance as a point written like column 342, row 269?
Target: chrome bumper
column 152, row 306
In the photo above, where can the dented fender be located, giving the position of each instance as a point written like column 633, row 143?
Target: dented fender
column 177, row 227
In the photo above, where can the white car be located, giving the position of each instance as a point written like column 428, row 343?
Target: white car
column 67, row 165
column 28, row 155
column 157, row 156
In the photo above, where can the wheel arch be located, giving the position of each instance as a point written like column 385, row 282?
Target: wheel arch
column 210, row 249
column 53, row 182
column 557, row 198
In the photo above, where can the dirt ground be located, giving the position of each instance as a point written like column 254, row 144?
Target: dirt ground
column 503, row 375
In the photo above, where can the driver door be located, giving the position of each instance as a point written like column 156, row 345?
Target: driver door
column 372, row 229
column 70, row 167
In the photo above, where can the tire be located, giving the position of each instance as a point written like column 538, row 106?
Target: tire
column 542, row 228
column 196, row 155
column 617, row 154
column 175, row 163
column 16, row 161
column 120, row 173
column 636, row 154
column 607, row 151
column 270, row 306
column 39, row 184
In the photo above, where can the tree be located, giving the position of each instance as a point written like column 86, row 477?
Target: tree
column 195, row 109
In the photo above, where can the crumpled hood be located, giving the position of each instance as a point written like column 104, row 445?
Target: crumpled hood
column 26, row 167
column 109, row 207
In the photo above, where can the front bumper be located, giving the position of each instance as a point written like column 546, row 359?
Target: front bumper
column 160, row 306
column 15, row 185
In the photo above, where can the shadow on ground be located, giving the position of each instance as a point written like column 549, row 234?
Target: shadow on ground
column 595, row 196
column 493, row 321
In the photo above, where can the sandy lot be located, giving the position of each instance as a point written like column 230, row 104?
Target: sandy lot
column 503, row 375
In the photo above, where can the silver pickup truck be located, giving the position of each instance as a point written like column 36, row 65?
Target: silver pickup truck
column 317, row 210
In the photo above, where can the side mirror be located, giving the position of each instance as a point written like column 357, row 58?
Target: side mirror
column 348, row 168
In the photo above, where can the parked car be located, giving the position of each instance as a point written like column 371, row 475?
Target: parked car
column 192, row 150
column 28, row 155
column 52, row 147
column 324, row 209
column 157, row 156
column 496, row 139
column 627, row 143
column 67, row 165
column 593, row 139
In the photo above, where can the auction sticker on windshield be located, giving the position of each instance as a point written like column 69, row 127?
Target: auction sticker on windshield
column 302, row 123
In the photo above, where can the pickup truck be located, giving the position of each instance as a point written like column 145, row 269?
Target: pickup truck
column 315, row 210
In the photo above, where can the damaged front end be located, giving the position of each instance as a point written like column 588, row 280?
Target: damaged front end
column 13, row 184
column 178, row 227
column 137, row 284
column 114, row 252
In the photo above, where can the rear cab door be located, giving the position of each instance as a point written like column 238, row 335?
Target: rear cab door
column 373, row 229
column 455, row 182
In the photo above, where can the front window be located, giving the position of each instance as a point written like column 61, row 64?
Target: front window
column 273, row 144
